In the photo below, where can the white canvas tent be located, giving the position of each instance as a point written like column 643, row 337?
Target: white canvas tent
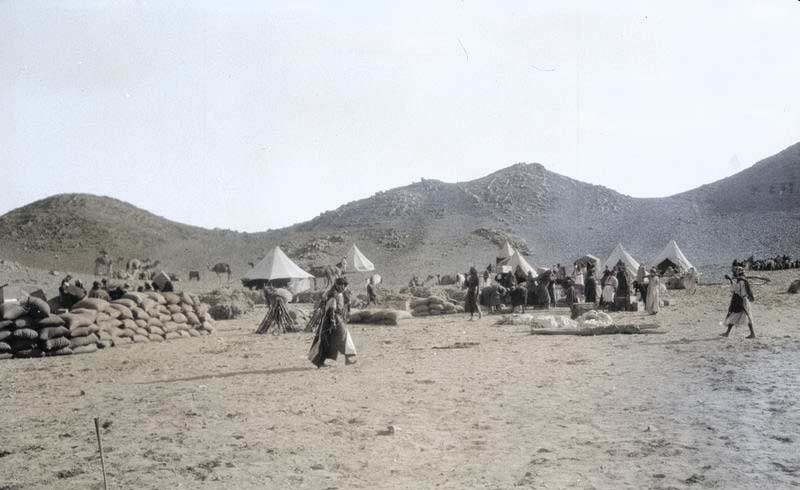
column 277, row 266
column 619, row 254
column 517, row 260
column 506, row 251
column 357, row 262
column 673, row 254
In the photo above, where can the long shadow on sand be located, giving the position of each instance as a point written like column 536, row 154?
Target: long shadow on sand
column 230, row 375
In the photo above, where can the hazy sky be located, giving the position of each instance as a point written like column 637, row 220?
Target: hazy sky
column 263, row 114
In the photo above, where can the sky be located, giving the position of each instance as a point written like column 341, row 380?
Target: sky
column 256, row 115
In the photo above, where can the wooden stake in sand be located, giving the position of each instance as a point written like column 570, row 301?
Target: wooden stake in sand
column 102, row 457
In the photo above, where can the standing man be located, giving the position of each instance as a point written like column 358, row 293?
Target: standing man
column 372, row 294
column 472, row 283
column 332, row 336
column 739, row 309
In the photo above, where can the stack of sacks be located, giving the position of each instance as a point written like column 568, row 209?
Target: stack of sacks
column 434, row 305
column 456, row 295
column 379, row 317
column 91, row 324
column 28, row 329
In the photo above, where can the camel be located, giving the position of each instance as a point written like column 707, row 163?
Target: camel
column 328, row 272
column 221, row 268
column 104, row 263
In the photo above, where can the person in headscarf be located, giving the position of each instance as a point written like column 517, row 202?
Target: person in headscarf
column 372, row 293
column 569, row 292
column 640, row 284
column 543, row 290
column 551, row 287
column 590, row 290
column 739, row 313
column 622, row 296
column 690, row 280
column 610, row 289
column 603, row 281
column 332, row 336
column 530, row 284
column 472, row 284
column 653, row 303
column 98, row 292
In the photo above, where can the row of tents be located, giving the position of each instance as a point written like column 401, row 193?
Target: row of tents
column 670, row 257
column 277, row 269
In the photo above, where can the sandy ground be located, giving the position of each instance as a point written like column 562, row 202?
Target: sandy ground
column 686, row 409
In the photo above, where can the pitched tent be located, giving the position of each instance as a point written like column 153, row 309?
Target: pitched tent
column 279, row 270
column 517, row 260
column 619, row 254
column 357, row 262
column 671, row 256
column 506, row 251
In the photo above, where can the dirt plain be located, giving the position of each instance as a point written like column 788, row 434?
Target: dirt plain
column 438, row 402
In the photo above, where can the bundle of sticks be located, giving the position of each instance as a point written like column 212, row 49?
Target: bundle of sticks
column 277, row 316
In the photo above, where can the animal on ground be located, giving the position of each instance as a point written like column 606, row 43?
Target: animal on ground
column 221, row 268
column 194, row 275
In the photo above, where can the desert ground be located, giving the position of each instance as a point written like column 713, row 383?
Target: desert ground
column 438, row 402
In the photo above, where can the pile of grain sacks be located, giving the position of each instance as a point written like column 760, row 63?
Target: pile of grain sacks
column 29, row 329
column 434, row 305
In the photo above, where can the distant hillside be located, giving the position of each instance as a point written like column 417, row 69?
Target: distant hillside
column 433, row 226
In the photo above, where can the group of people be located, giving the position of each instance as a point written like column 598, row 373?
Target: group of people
column 777, row 263
column 613, row 291
column 72, row 290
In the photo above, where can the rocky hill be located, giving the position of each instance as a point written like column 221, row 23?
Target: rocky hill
column 433, row 226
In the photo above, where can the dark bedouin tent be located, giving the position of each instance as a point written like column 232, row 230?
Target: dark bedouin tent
column 278, row 270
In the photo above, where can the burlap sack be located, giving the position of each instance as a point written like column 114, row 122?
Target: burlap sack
column 192, row 319
column 172, row 335
column 48, row 333
column 25, row 333
column 96, row 304
column 37, row 307
column 55, row 343
column 11, row 311
column 74, row 321
column 84, row 349
column 193, row 332
column 4, row 334
column 90, row 339
column 104, row 344
column 140, row 339
column 124, row 311
column 128, row 303
column 155, row 338
column 29, row 353
column 155, row 330
column 50, row 321
column 65, row 351
column 157, row 297
column 171, row 298
column 184, row 333
column 174, row 309
column 179, row 318
column 139, row 313
column 24, row 322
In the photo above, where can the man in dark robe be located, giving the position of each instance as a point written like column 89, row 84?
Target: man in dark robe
column 590, row 288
